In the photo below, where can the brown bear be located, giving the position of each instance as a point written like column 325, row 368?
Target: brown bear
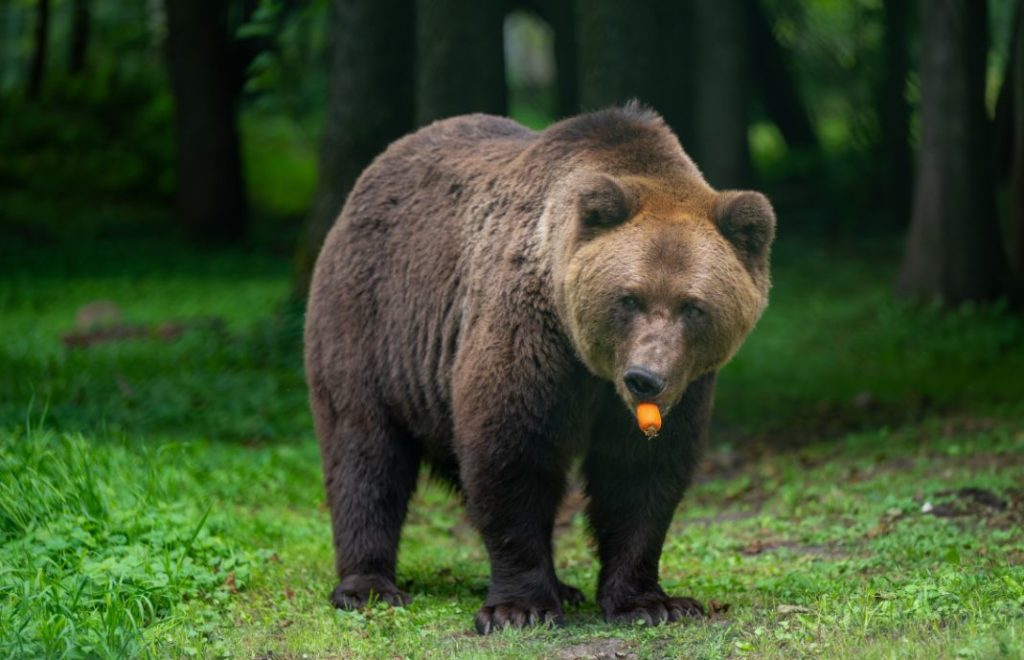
column 496, row 301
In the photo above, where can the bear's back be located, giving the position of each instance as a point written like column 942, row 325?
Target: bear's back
column 391, row 278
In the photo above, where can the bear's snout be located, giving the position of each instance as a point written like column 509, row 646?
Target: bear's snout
column 643, row 383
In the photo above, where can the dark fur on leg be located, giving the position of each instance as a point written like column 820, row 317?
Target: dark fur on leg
column 370, row 470
column 634, row 486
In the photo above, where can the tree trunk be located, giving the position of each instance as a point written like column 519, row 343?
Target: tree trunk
column 460, row 58
column 722, row 93
column 40, row 37
column 953, row 252
column 626, row 52
column 673, row 95
column 211, row 194
column 1013, row 90
column 775, row 84
column 561, row 16
column 895, row 168
column 80, row 24
column 617, row 54
column 1002, row 123
column 369, row 104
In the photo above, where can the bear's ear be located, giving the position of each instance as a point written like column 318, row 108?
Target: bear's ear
column 747, row 221
column 604, row 203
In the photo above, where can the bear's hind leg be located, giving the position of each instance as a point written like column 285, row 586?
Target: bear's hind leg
column 370, row 470
column 570, row 595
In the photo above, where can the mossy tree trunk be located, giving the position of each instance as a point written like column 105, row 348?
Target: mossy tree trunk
column 895, row 166
column 774, row 82
column 369, row 105
column 645, row 52
column 40, row 47
column 460, row 58
column 80, row 24
column 616, row 54
column 1013, row 137
column 722, row 95
column 954, row 253
column 211, row 204
column 561, row 16
column 674, row 94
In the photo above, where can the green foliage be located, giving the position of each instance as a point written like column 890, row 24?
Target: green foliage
column 164, row 498
column 90, row 138
column 288, row 76
column 224, row 377
column 852, row 355
column 99, row 546
column 280, row 166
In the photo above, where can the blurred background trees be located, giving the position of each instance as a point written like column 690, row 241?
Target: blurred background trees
column 205, row 84
column 250, row 120
column 954, row 250
column 371, row 41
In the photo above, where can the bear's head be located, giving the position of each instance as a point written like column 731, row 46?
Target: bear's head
column 657, row 277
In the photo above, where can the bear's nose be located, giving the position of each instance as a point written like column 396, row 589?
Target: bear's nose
column 643, row 383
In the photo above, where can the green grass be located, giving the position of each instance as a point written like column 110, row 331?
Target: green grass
column 164, row 498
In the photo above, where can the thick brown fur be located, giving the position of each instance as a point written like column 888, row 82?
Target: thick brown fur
column 479, row 304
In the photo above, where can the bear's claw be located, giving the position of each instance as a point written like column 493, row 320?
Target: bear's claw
column 656, row 611
column 492, row 618
column 355, row 591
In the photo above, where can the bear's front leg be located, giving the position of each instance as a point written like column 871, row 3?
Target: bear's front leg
column 512, row 495
column 635, row 485
column 513, row 461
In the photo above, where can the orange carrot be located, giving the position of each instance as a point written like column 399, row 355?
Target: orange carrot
column 649, row 418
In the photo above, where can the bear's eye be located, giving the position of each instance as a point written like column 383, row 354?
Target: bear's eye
column 691, row 311
column 630, row 303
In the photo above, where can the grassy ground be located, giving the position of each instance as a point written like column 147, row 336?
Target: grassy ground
column 864, row 494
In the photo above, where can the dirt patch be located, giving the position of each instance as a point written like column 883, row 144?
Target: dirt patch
column 1003, row 510
column 599, row 649
column 725, row 516
column 574, row 502
column 762, row 546
column 169, row 331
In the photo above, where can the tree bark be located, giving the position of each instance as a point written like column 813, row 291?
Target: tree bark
column 722, row 93
column 954, row 253
column 775, row 84
column 674, row 93
column 1013, row 90
column 80, row 24
column 561, row 16
column 1002, row 124
column 895, row 167
column 210, row 187
column 646, row 52
column 369, row 104
column 40, row 39
column 460, row 58
column 616, row 53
